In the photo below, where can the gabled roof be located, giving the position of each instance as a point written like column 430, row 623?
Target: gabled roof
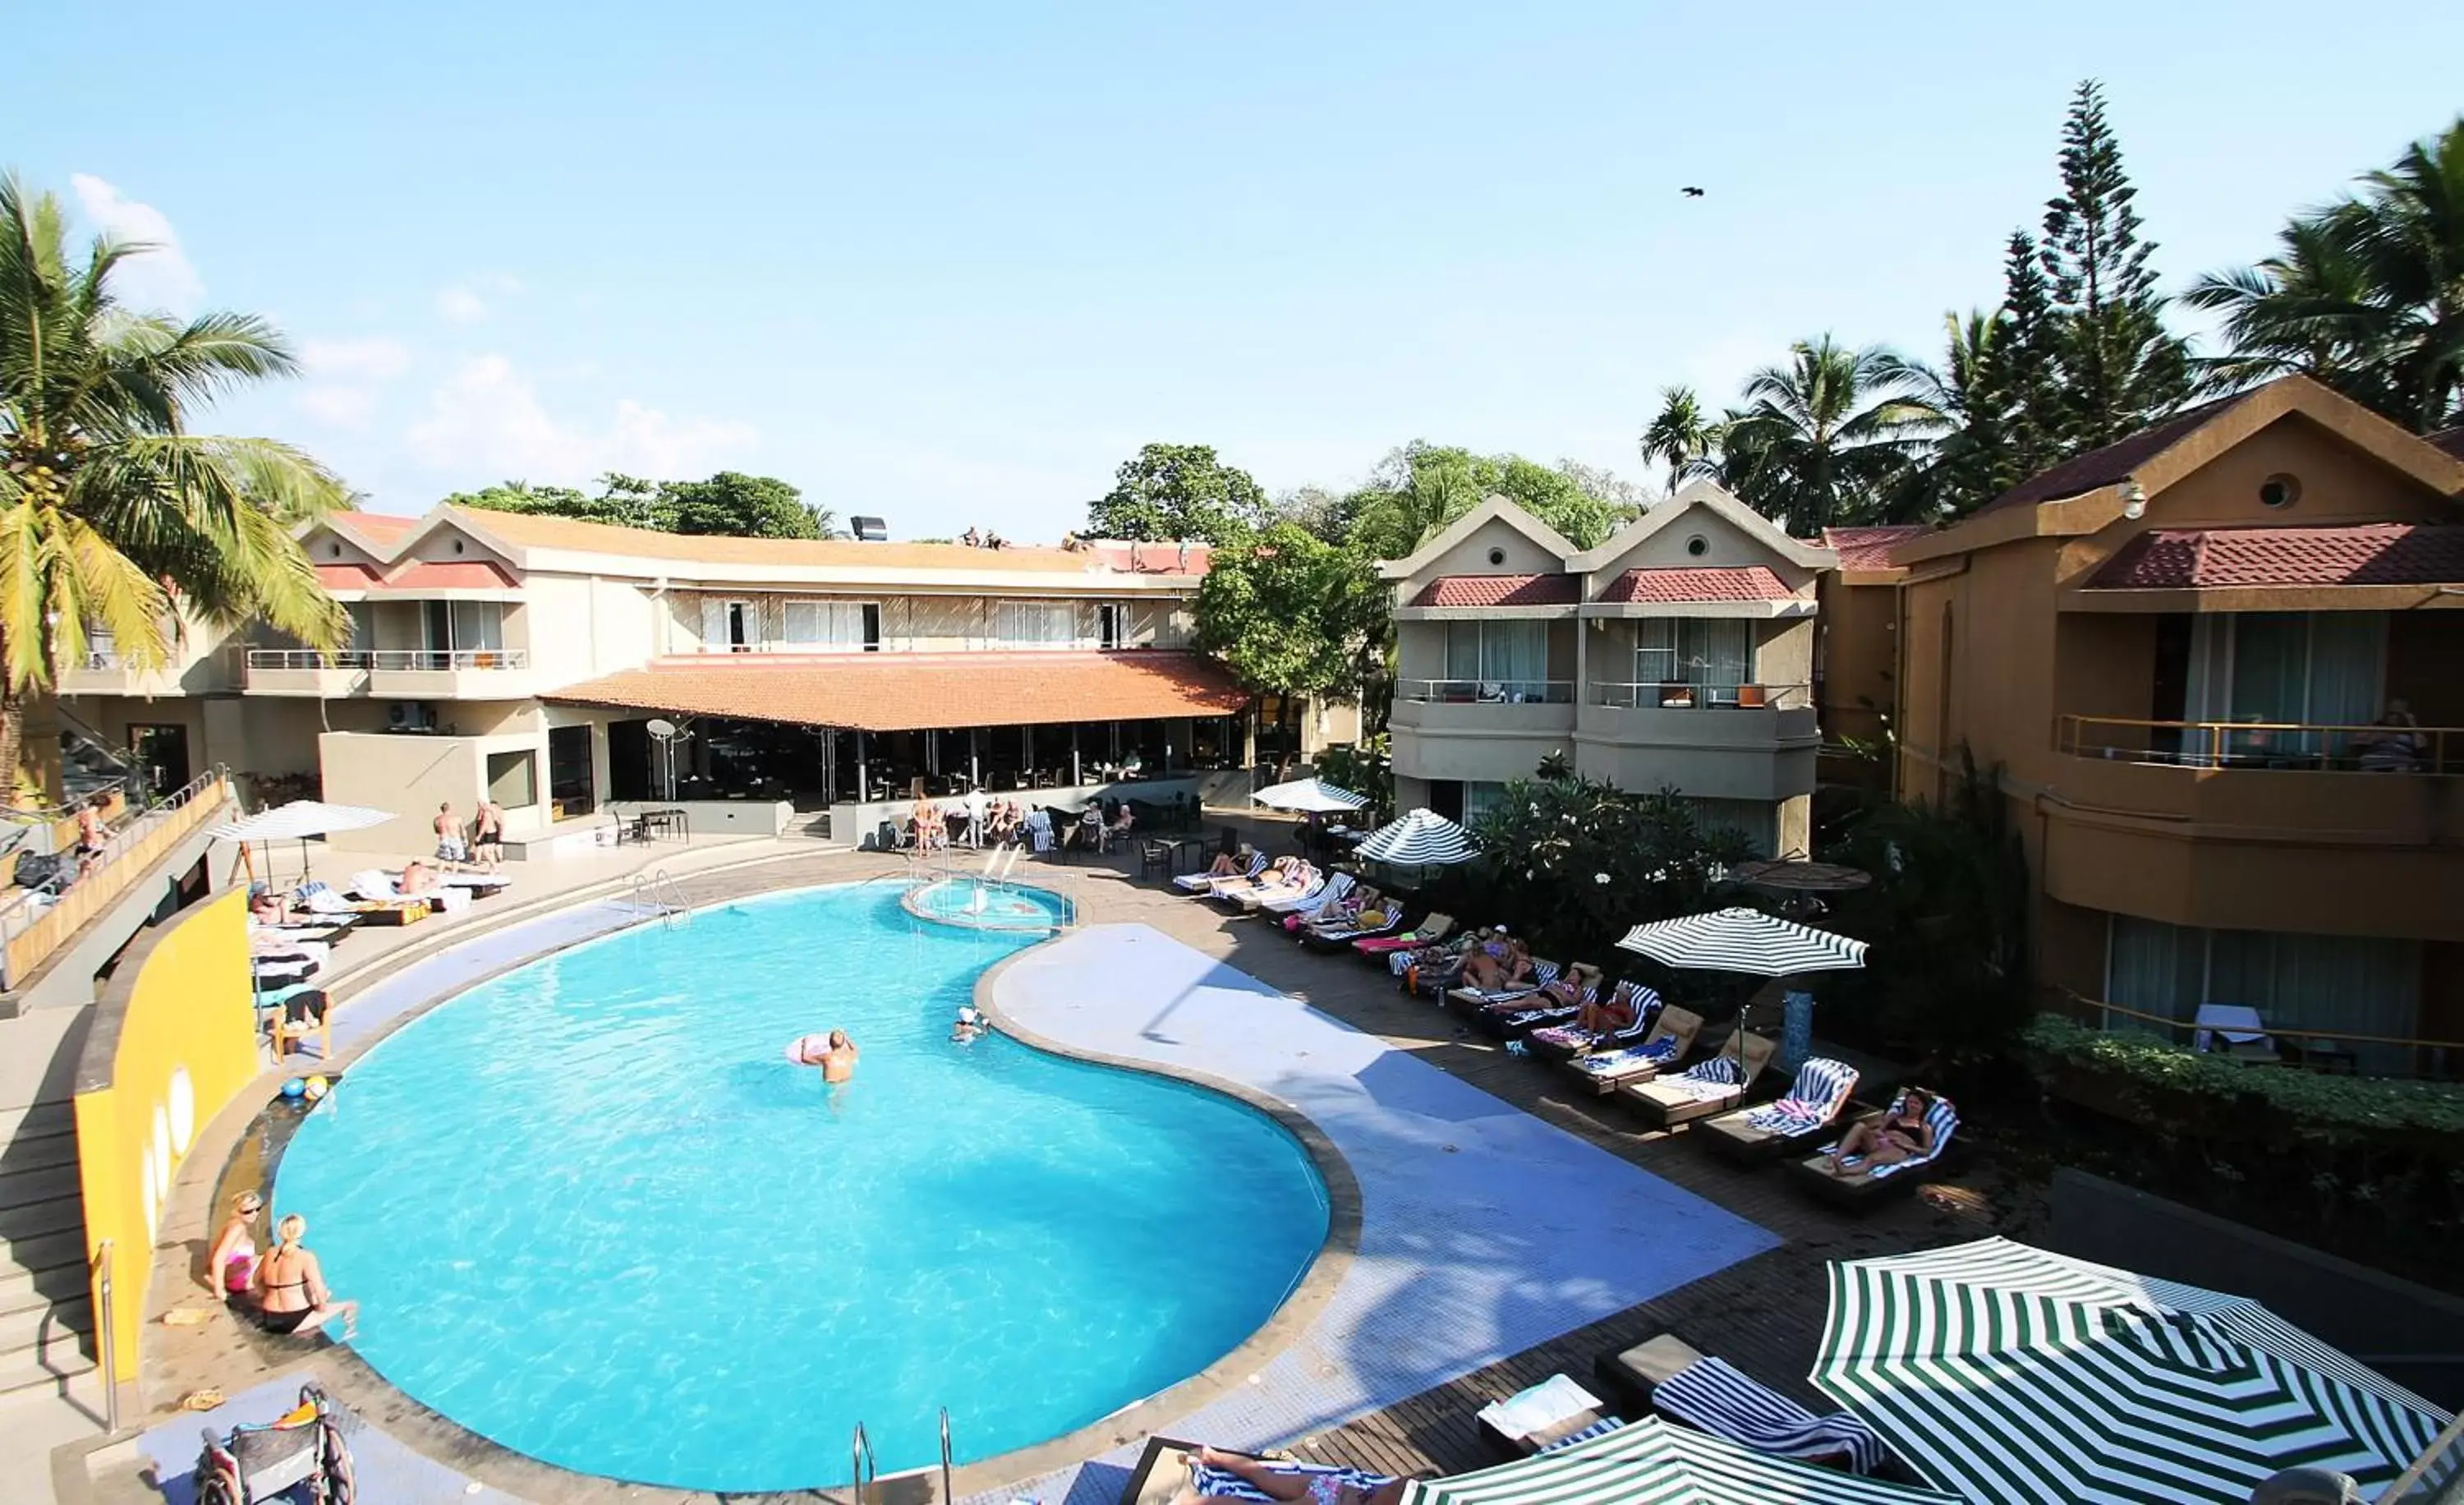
column 1500, row 591
column 2116, row 462
column 2361, row 554
column 1870, row 547
column 1496, row 509
column 1709, row 495
column 1685, row 584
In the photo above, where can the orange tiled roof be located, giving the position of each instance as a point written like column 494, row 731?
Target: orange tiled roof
column 1500, row 591
column 599, row 538
column 449, row 574
column 914, row 692
column 1870, row 548
column 382, row 526
column 2361, row 554
column 1679, row 586
column 347, row 577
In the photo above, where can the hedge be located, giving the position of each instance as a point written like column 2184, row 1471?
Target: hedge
column 2312, row 1103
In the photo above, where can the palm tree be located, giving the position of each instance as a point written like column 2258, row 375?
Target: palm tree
column 1396, row 519
column 1681, row 437
column 2367, row 294
column 110, row 508
column 1824, row 436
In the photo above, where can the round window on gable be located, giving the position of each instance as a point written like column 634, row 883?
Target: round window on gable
column 1496, row 556
column 1698, row 545
column 2279, row 491
column 457, row 545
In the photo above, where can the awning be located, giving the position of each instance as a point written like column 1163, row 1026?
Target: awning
column 923, row 692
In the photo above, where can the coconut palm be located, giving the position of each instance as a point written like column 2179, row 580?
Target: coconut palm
column 1822, row 437
column 110, row 508
column 2367, row 295
column 1681, row 437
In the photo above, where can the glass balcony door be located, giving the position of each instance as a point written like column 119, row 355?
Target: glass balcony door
column 2283, row 669
column 1697, row 660
column 1498, row 660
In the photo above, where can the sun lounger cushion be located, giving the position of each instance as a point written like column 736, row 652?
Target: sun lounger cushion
column 1820, row 1090
column 1216, row 1483
column 1645, row 1005
column 1628, row 1061
column 1944, row 1120
column 1721, row 1400
column 1720, row 1076
column 1308, row 904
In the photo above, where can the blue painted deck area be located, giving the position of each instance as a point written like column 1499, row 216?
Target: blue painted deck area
column 385, row 1470
column 1484, row 1231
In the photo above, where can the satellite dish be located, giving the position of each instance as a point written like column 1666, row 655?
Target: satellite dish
column 662, row 727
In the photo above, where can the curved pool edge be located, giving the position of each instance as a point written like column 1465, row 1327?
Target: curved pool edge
column 364, row 1390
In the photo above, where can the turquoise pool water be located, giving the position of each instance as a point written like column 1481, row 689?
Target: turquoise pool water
column 592, row 1213
column 981, row 905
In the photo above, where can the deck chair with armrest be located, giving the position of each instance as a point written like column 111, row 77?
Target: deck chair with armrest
column 1204, row 884
column 1299, row 880
column 1669, row 1040
column 1562, row 1041
column 1802, row 1114
column 1705, row 1090
column 1861, row 1184
column 1272, row 877
column 1473, row 1002
column 1298, row 911
column 1556, row 1003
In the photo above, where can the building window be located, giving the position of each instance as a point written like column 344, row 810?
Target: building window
column 513, row 778
column 846, row 626
column 1498, row 660
column 1715, row 655
column 730, row 627
column 1035, row 623
column 462, row 627
column 1480, row 796
column 571, row 782
column 1111, row 625
column 2281, row 670
column 2352, row 985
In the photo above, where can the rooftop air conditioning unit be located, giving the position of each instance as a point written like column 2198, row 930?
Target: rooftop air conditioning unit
column 870, row 530
column 409, row 716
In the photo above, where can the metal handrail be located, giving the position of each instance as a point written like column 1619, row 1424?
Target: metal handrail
column 106, row 1353
column 1676, row 694
column 22, row 913
column 1491, row 692
column 860, row 1463
column 2313, row 746
column 947, row 1493
column 2291, row 1031
column 389, row 659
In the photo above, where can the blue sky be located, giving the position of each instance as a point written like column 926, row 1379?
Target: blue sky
column 951, row 264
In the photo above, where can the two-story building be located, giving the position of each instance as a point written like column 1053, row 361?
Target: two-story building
column 558, row 665
column 1676, row 655
column 2219, row 669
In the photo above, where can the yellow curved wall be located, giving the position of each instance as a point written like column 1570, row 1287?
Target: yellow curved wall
column 187, row 1044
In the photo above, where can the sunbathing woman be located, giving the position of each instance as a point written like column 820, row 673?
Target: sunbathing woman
column 1504, row 962
column 1606, row 1015
column 1345, row 913
column 1901, row 1134
column 1285, row 1484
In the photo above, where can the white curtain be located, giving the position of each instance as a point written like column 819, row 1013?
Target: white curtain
column 2347, row 670
column 2154, row 967
column 2357, row 985
column 478, row 625
column 1515, row 654
column 1715, row 652
column 1755, row 820
column 1479, row 798
column 1035, row 623
column 821, row 624
column 713, row 625
column 1462, row 651
column 2321, row 668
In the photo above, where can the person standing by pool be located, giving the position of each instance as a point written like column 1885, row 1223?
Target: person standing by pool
column 487, row 833
column 290, row 1287
column 451, row 846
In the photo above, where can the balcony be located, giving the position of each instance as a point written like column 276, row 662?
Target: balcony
column 2237, row 826
column 108, row 672
column 1482, row 730
column 1745, row 741
column 407, row 674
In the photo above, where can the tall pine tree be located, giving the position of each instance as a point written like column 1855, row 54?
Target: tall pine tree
column 2026, row 375
column 2119, row 369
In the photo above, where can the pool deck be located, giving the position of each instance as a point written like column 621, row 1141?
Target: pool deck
column 1498, row 1207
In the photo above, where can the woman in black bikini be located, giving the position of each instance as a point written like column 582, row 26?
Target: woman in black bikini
column 290, row 1287
column 1899, row 1135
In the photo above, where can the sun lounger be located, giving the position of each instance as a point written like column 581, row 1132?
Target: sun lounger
column 1542, row 1418
column 1300, row 879
column 1308, row 904
column 378, row 885
column 1861, row 1184
column 1473, row 1000
column 1160, row 1478
column 1818, row 1095
column 1671, row 1036
column 1383, row 919
column 2236, row 1030
column 1642, row 1006
column 1713, row 1086
column 1428, row 932
column 1554, row 1004
column 1204, row 883
column 1269, row 876
column 1719, row 1398
column 483, row 884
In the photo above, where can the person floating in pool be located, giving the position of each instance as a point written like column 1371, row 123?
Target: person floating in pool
column 835, row 1055
column 970, row 1025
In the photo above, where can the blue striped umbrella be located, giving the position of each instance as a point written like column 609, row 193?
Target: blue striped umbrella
column 1744, row 941
column 1421, row 839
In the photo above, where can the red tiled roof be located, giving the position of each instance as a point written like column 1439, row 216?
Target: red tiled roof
column 1870, row 548
column 346, row 577
column 385, row 526
column 449, row 574
column 2362, row 554
column 1751, row 583
column 912, row 691
column 2113, row 464
column 1500, row 591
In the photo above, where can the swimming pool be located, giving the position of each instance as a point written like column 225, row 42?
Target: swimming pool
column 977, row 903
column 594, row 1215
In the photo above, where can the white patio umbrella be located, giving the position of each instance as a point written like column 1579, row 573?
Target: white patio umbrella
column 1654, row 1462
column 1310, row 797
column 1744, row 941
column 1421, row 839
column 297, row 821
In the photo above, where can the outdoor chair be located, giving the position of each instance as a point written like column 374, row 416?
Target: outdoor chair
column 1861, row 1184
column 1473, row 1002
column 2234, row 1029
column 1750, row 1136
column 1300, row 881
column 1713, row 1086
column 1566, row 1040
column 1155, row 859
column 1717, row 1396
column 1303, row 906
column 1671, row 1037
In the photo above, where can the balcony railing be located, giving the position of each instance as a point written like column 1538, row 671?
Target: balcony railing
column 2295, row 746
column 1491, row 692
column 389, row 658
column 1667, row 696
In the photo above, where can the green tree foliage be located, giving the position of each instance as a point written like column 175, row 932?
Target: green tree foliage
column 1290, row 614
column 1422, row 487
column 2367, row 295
column 730, row 503
column 2121, row 368
column 1365, row 767
column 1828, row 438
column 1180, row 491
column 111, row 503
column 1681, row 435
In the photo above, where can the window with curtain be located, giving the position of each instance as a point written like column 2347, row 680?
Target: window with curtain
column 2355, row 984
column 1035, row 623
column 2317, row 668
column 1717, row 653
column 821, row 624
column 1499, row 658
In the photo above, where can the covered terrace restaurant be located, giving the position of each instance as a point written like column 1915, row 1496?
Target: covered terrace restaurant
column 866, row 737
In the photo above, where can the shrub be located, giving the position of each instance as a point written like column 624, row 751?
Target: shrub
column 2313, row 1105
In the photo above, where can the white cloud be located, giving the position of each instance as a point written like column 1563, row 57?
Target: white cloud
column 162, row 278
column 370, row 360
column 466, row 303
column 337, row 407
column 487, row 420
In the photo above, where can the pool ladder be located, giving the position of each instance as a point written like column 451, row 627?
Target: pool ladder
column 861, row 1470
column 656, row 891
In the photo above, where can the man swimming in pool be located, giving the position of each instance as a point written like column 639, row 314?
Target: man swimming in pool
column 836, row 1058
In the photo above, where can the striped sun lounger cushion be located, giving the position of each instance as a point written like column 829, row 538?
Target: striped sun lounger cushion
column 1643, row 1001
column 1720, row 1076
column 1543, row 973
column 1216, row 1483
column 1942, row 1115
column 1716, row 1396
column 1598, row 1429
column 1822, row 1089
column 1617, row 1063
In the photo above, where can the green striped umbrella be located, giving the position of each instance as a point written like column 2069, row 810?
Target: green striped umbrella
column 1655, row 1462
column 2007, row 1373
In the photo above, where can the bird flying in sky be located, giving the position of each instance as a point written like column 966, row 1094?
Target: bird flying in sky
column 1691, row 192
